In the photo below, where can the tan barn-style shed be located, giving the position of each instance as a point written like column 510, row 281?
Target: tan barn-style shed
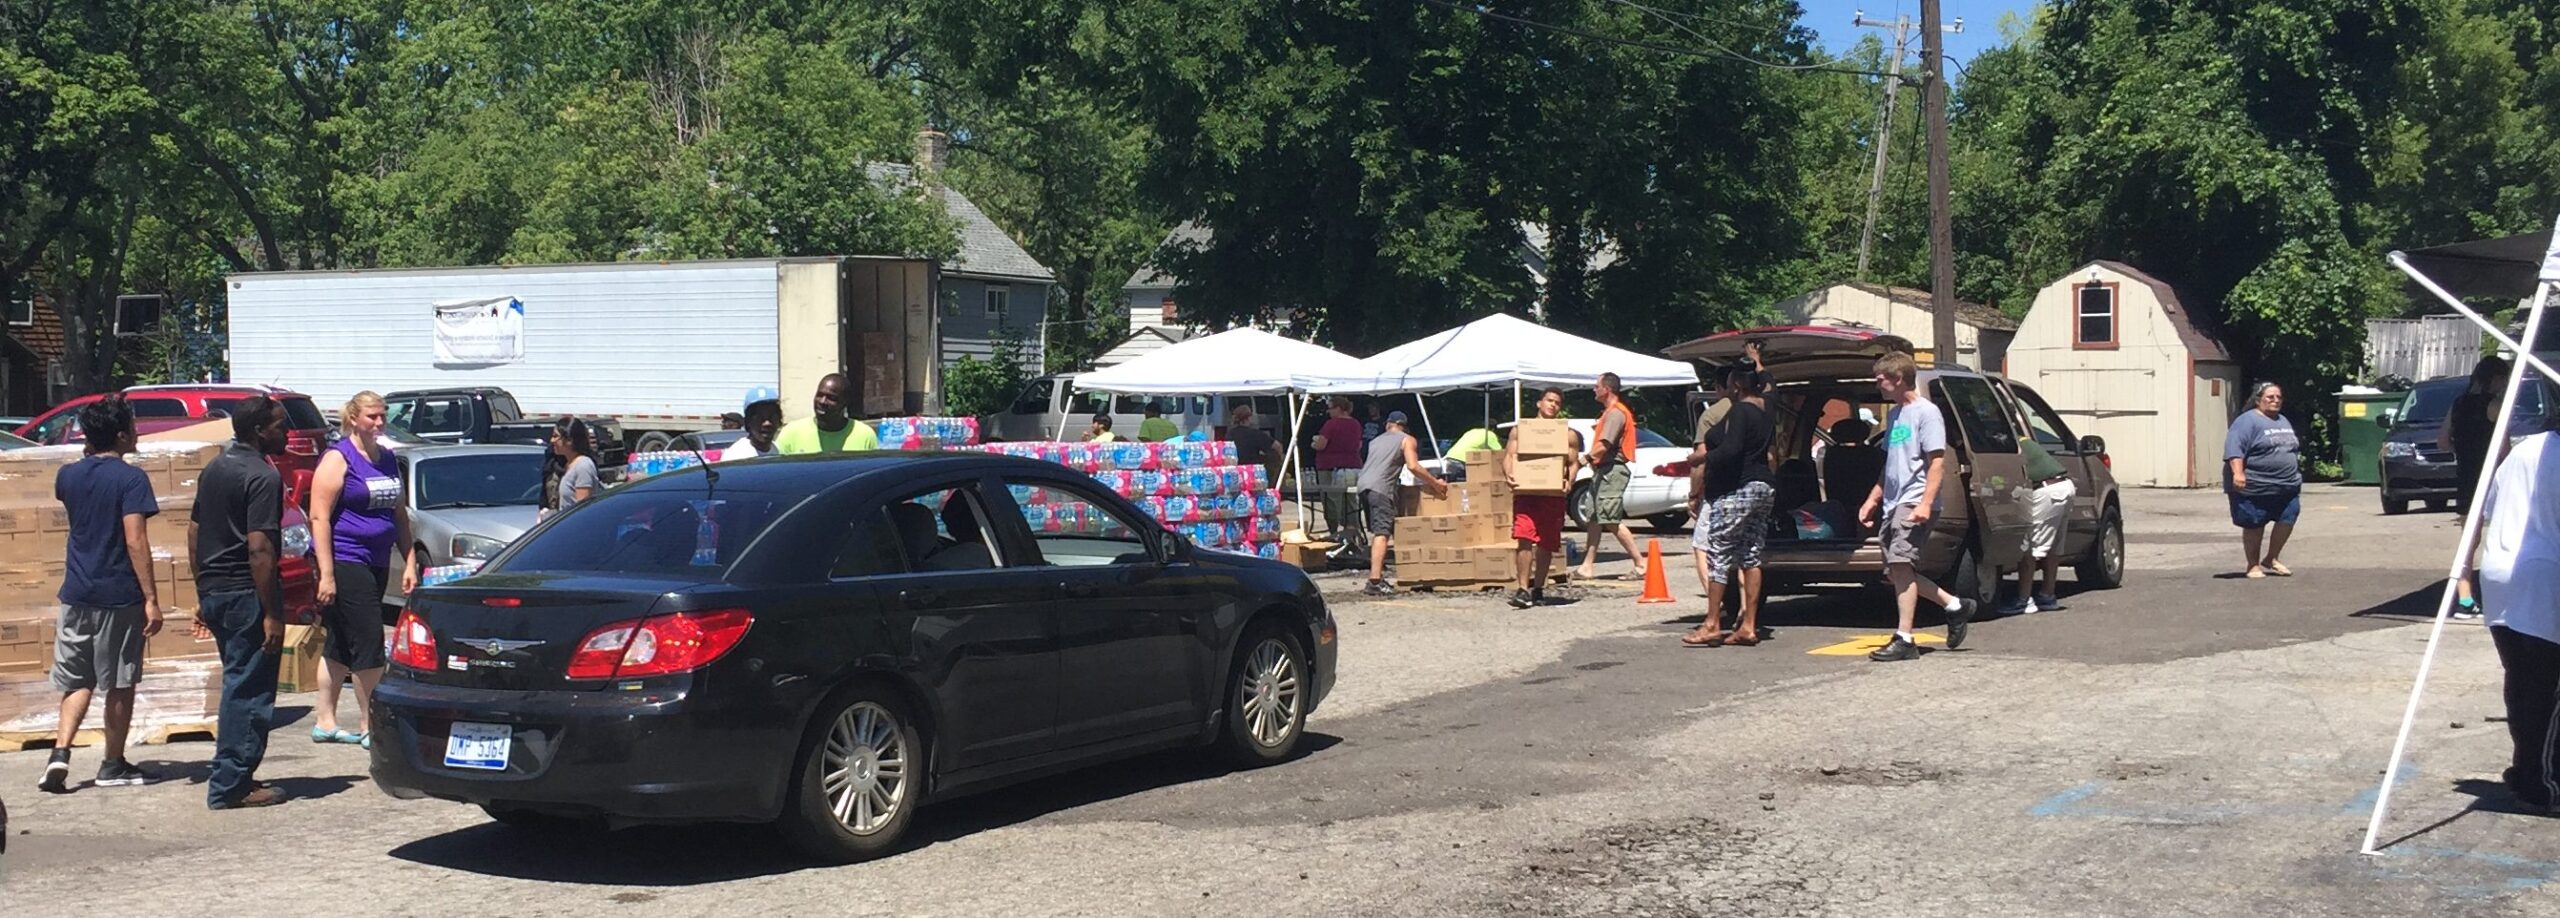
column 2118, row 354
column 1982, row 333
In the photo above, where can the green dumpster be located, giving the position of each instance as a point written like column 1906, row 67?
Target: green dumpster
column 2361, row 432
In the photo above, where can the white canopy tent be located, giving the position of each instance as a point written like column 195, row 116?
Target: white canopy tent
column 1500, row 350
column 1242, row 361
column 2512, row 267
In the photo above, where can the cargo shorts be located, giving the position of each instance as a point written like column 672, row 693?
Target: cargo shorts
column 1903, row 539
column 96, row 647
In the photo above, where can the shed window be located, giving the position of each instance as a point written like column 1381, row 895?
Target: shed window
column 2096, row 314
column 22, row 310
column 1169, row 312
column 999, row 302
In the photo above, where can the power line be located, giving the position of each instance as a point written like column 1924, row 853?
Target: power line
column 1656, row 47
column 1702, row 17
column 1720, row 48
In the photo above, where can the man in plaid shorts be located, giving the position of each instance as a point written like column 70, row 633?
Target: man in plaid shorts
column 1738, row 498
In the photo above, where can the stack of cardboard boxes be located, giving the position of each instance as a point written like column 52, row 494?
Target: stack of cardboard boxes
column 182, row 680
column 1459, row 539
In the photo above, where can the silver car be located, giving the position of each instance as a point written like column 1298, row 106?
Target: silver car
column 467, row 502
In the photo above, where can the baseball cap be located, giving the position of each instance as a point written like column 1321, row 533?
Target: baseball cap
column 762, row 394
column 1395, row 417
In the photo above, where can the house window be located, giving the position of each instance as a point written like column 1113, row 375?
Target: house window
column 2094, row 311
column 22, row 310
column 137, row 314
column 1168, row 310
column 999, row 301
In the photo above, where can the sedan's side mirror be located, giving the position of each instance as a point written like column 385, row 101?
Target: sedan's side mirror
column 2383, row 420
column 2093, row 444
column 1178, row 549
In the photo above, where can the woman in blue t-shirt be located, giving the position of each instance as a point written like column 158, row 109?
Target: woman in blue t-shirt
column 2262, row 470
column 359, row 530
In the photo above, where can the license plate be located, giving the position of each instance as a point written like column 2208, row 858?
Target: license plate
column 481, row 746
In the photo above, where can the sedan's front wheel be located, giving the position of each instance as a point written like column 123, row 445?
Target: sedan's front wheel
column 1266, row 699
column 855, row 790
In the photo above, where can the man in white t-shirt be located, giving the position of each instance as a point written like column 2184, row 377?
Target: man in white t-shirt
column 2520, row 596
column 764, row 420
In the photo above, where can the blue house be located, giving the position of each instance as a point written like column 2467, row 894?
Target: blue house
column 990, row 288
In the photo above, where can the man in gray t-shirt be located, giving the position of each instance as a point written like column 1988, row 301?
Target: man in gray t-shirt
column 1390, row 453
column 1905, row 502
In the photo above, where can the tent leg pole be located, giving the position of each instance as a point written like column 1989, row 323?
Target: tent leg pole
column 1295, row 464
column 1424, row 405
column 1515, row 401
column 2462, row 549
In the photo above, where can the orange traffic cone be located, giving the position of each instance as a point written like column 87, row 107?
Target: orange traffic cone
column 1656, row 589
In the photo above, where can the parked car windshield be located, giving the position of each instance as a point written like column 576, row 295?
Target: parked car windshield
column 487, row 480
column 658, row 531
column 2430, row 401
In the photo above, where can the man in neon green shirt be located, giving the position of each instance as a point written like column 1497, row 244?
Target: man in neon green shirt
column 832, row 431
column 1155, row 428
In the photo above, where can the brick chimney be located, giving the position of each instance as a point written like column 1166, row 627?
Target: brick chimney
column 932, row 149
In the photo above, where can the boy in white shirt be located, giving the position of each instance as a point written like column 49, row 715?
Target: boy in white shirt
column 2520, row 595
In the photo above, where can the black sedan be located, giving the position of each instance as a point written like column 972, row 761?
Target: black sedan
column 829, row 642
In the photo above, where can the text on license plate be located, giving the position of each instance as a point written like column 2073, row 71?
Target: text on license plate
column 482, row 746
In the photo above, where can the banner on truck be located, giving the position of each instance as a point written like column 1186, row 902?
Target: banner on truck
column 480, row 332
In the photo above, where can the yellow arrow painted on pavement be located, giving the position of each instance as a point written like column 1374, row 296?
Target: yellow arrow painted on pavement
column 1866, row 644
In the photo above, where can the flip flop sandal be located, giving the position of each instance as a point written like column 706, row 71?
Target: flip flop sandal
column 1742, row 639
column 335, row 736
column 1715, row 640
column 2279, row 570
column 2256, row 574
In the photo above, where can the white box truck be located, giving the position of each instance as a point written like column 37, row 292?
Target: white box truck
column 664, row 347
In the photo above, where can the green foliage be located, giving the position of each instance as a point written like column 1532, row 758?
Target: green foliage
column 977, row 388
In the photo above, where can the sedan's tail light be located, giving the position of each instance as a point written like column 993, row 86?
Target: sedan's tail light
column 412, row 645
column 659, row 645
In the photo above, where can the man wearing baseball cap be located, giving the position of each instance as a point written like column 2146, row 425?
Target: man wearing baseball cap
column 764, row 420
column 1392, row 452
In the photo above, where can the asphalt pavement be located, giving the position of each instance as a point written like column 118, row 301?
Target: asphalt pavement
column 2193, row 743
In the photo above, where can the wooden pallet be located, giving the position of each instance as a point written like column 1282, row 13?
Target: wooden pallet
column 1457, row 586
column 145, row 736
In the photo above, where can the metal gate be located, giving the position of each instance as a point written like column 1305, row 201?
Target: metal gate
column 2422, row 348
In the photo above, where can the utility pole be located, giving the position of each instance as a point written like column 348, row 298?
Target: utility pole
column 1942, row 231
column 1902, row 32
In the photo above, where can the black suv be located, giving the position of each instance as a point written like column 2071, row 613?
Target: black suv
column 2415, row 468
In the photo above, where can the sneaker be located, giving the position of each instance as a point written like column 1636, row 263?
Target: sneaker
column 2050, row 603
column 1895, row 652
column 2466, row 610
column 1959, row 621
column 2016, row 607
column 260, row 796
column 1537, row 597
column 1520, row 599
column 1377, row 588
column 57, row 773
column 121, row 773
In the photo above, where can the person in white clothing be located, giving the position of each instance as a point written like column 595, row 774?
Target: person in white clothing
column 2520, row 596
column 764, row 420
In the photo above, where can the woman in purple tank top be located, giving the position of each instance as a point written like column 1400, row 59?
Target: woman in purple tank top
column 359, row 529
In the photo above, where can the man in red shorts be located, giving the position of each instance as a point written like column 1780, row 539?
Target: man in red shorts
column 1537, row 520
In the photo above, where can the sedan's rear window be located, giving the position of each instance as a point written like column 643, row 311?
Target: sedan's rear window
column 157, row 407
column 678, row 532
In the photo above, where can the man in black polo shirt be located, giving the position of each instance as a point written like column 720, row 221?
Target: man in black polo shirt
column 239, row 517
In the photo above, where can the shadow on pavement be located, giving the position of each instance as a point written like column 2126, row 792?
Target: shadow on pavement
column 1085, row 787
column 688, row 855
column 2418, row 605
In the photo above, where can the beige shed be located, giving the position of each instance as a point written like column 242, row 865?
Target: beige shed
column 1982, row 333
column 2119, row 355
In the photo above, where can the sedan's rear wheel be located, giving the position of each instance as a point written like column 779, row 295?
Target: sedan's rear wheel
column 856, row 789
column 1266, row 699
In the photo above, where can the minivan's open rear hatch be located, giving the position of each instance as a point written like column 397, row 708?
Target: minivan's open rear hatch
column 1791, row 343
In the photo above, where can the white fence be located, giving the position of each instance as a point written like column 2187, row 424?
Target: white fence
column 2423, row 348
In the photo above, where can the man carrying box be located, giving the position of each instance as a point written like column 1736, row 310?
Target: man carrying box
column 1537, row 507
column 110, row 605
column 1392, row 452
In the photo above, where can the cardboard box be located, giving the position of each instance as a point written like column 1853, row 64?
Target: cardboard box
column 1543, row 437
column 1483, row 465
column 17, row 520
column 299, row 670
column 176, row 638
column 1475, row 564
column 1309, row 556
column 1453, row 531
column 1545, row 476
column 1493, row 496
column 27, row 640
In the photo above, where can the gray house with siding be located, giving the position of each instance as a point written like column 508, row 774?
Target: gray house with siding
column 989, row 288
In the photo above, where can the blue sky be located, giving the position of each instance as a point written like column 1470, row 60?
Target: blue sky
column 1830, row 20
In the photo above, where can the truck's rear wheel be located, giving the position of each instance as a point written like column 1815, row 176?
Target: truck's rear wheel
column 652, row 442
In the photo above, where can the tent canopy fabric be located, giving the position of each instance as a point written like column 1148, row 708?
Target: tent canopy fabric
column 1242, row 361
column 1500, row 350
column 2507, row 268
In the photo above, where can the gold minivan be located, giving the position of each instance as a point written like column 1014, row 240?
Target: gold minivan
column 1828, row 456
